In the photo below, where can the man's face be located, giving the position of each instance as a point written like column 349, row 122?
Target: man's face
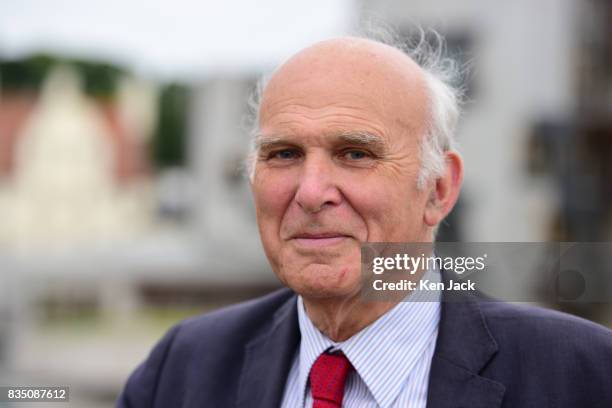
column 337, row 164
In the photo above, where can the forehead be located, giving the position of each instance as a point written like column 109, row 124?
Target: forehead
column 346, row 82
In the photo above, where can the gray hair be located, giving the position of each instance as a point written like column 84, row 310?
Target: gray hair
column 442, row 73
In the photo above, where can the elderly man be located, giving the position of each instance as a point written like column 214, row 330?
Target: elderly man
column 354, row 145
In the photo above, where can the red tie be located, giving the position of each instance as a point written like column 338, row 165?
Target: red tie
column 327, row 377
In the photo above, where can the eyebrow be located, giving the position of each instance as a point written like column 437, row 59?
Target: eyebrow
column 362, row 139
column 359, row 138
column 265, row 142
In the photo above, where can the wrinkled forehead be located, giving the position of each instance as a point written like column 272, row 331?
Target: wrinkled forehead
column 346, row 72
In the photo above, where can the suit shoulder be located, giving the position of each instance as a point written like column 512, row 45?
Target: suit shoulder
column 563, row 360
column 209, row 340
column 536, row 324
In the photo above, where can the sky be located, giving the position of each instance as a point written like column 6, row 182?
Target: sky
column 178, row 38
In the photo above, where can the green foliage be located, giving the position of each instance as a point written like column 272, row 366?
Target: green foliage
column 169, row 139
column 99, row 79
column 25, row 74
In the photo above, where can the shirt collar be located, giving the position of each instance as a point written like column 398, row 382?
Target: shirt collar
column 385, row 352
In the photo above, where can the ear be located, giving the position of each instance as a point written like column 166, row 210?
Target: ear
column 445, row 191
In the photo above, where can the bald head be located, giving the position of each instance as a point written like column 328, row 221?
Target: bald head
column 388, row 81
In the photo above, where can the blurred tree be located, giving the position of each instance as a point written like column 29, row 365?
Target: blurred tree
column 25, row 74
column 168, row 143
column 99, row 79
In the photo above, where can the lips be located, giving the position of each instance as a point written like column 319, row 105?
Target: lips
column 319, row 235
column 319, row 240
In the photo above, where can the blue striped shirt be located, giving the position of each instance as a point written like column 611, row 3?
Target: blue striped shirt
column 392, row 356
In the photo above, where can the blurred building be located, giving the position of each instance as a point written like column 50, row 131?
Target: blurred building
column 74, row 169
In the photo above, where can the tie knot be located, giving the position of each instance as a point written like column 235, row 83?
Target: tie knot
column 327, row 377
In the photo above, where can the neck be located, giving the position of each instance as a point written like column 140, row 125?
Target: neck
column 340, row 319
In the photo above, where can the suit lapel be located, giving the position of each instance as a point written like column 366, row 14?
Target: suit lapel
column 268, row 360
column 463, row 349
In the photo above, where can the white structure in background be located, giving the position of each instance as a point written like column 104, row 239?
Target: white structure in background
column 65, row 189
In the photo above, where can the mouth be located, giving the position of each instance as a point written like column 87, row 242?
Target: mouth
column 320, row 240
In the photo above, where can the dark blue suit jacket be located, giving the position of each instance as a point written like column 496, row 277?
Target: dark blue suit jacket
column 488, row 355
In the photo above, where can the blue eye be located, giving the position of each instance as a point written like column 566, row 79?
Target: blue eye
column 284, row 154
column 355, row 155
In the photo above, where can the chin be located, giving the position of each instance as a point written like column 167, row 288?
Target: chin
column 325, row 281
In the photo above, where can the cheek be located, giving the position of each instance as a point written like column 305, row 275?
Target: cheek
column 390, row 211
column 272, row 195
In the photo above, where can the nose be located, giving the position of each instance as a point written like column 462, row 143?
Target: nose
column 317, row 188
